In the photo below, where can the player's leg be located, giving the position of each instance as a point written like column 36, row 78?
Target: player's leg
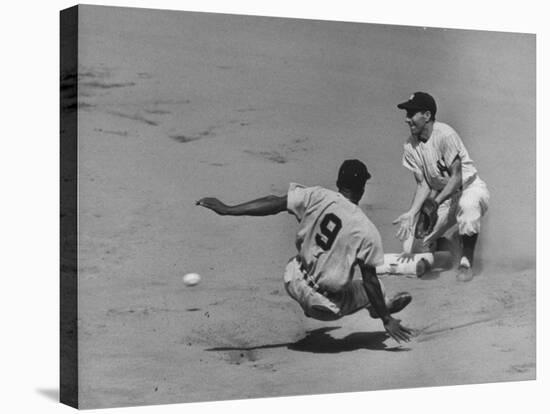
column 354, row 298
column 472, row 205
column 313, row 304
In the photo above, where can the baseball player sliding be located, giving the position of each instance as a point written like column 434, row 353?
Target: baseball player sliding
column 334, row 236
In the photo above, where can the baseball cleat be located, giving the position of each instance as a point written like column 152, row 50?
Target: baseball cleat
column 394, row 305
column 422, row 267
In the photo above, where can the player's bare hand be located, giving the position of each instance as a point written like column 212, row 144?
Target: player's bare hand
column 397, row 331
column 405, row 222
column 213, row 204
column 405, row 257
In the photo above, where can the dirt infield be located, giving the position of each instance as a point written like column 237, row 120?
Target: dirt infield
column 177, row 106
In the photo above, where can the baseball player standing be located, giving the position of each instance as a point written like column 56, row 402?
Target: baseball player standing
column 445, row 173
column 334, row 236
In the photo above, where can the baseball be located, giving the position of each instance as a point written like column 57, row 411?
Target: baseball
column 191, row 279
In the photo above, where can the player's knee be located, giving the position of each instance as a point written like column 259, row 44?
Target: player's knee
column 471, row 205
column 468, row 227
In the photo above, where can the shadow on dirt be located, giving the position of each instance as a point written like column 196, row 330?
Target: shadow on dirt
column 320, row 341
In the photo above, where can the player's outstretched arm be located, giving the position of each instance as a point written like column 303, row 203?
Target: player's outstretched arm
column 372, row 286
column 264, row 206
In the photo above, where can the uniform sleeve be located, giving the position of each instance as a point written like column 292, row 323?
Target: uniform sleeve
column 370, row 248
column 451, row 146
column 298, row 199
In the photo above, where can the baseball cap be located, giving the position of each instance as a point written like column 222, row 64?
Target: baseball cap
column 420, row 100
column 353, row 174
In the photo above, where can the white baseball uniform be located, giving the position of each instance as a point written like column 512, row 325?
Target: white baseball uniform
column 334, row 235
column 432, row 159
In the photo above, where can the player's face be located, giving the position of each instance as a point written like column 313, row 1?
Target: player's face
column 416, row 120
column 357, row 195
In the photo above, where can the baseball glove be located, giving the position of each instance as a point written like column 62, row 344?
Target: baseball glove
column 426, row 219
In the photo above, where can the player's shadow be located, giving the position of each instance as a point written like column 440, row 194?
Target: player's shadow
column 319, row 341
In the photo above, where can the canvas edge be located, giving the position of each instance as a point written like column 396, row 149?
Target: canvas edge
column 68, row 334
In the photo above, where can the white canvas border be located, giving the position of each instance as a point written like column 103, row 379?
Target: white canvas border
column 30, row 203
